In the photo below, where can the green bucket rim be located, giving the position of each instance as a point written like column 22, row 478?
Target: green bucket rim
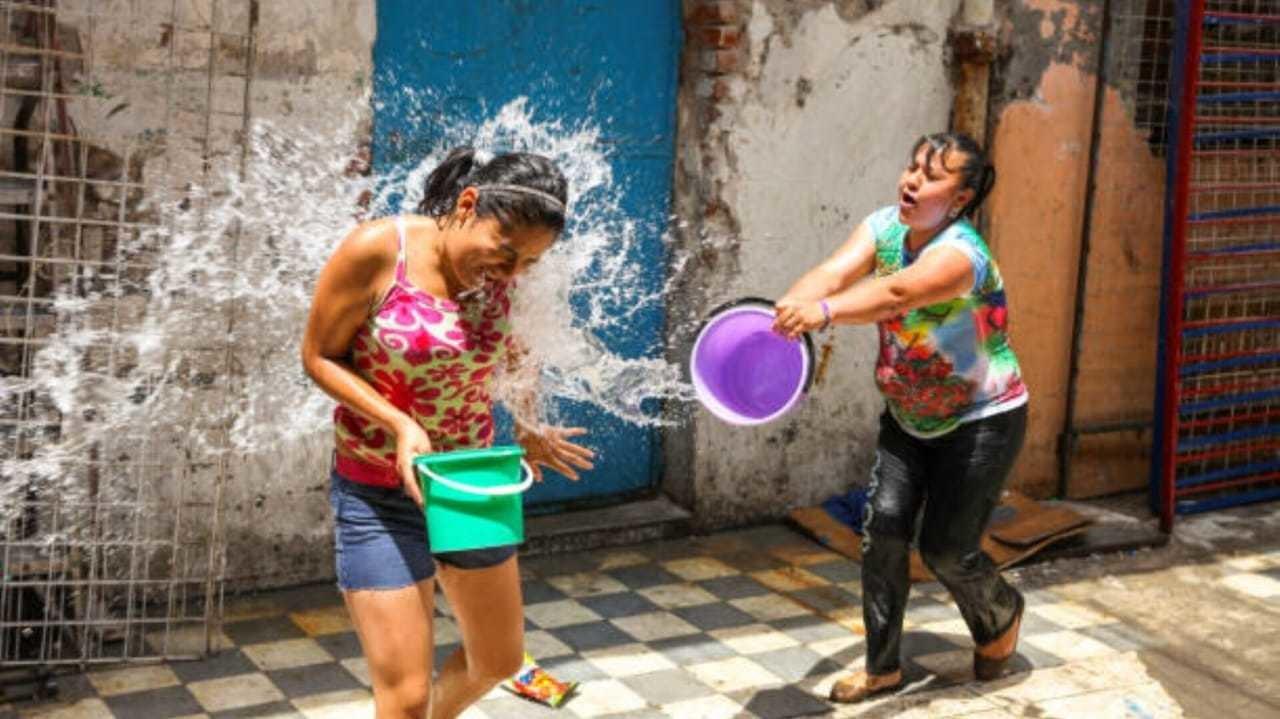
column 439, row 460
column 432, row 471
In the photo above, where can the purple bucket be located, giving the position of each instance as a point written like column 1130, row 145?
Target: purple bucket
column 744, row 372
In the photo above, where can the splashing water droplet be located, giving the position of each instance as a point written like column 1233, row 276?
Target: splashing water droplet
column 203, row 348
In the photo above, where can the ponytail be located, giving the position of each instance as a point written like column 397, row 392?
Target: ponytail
column 446, row 182
column 986, row 181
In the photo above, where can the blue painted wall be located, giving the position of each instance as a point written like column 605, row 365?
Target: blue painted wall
column 612, row 62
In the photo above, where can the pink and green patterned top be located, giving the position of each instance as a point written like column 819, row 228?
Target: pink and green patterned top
column 432, row 358
column 948, row 363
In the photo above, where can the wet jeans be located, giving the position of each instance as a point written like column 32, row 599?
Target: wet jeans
column 957, row 478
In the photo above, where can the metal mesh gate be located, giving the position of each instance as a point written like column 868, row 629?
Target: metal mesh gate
column 111, row 111
column 1219, row 404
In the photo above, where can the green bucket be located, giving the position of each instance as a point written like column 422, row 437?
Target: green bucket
column 473, row 497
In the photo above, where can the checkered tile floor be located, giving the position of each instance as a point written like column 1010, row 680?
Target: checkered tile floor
column 751, row 623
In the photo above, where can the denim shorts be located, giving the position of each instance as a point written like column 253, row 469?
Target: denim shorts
column 380, row 539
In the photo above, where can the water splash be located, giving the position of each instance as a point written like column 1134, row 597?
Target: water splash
column 200, row 355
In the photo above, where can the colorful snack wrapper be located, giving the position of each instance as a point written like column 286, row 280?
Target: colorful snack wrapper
column 533, row 682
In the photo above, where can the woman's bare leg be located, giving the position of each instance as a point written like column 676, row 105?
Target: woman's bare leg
column 489, row 608
column 395, row 630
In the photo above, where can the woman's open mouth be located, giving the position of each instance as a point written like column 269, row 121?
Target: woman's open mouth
column 907, row 200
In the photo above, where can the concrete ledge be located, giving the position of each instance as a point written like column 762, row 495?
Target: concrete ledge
column 640, row 521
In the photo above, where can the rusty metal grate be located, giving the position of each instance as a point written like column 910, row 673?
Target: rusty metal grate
column 109, row 110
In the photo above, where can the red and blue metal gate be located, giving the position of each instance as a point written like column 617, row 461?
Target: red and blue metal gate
column 1218, row 401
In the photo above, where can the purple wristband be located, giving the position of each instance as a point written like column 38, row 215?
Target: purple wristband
column 826, row 314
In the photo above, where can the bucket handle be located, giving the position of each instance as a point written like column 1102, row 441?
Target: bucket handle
column 498, row 491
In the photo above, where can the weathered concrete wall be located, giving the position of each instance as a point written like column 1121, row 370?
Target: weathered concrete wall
column 312, row 60
column 314, row 64
column 795, row 121
column 310, row 74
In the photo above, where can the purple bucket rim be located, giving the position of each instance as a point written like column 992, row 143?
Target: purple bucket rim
column 709, row 400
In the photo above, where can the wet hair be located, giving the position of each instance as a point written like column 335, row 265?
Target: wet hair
column 976, row 173
column 519, row 189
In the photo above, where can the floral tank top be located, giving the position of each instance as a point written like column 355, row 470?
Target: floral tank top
column 949, row 363
column 432, row 358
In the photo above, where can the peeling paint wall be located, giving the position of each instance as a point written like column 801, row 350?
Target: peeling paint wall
column 792, row 134
column 1041, row 143
column 1042, row 104
column 1120, row 325
column 788, row 138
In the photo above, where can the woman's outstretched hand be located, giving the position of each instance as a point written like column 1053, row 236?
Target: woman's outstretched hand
column 411, row 441
column 547, row 446
column 795, row 317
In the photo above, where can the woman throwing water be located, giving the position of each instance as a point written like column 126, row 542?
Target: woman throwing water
column 956, row 405
column 408, row 324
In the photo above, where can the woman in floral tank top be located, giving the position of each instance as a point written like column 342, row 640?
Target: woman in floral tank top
column 955, row 402
column 408, row 326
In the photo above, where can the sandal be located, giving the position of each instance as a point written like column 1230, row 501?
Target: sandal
column 988, row 668
column 857, row 686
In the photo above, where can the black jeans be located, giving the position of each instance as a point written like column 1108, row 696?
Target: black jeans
column 958, row 478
